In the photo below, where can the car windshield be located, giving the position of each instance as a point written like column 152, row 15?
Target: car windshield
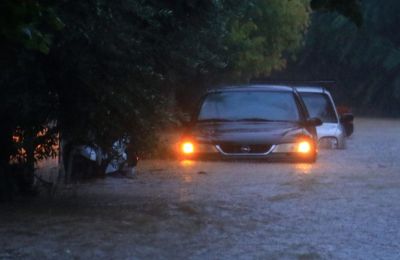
column 249, row 106
column 319, row 105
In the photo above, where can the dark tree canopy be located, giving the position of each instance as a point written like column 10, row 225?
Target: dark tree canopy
column 365, row 61
column 348, row 8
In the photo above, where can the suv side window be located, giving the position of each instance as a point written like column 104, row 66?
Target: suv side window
column 319, row 105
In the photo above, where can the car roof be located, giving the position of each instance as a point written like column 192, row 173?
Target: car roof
column 253, row 87
column 313, row 89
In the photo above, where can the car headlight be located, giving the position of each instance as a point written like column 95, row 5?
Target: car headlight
column 328, row 143
column 187, row 147
column 191, row 148
column 301, row 147
column 304, row 147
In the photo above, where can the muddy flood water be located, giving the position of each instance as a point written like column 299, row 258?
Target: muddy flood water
column 345, row 206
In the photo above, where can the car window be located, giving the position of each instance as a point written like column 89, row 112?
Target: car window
column 319, row 105
column 242, row 105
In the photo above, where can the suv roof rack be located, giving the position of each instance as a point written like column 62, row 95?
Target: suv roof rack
column 297, row 83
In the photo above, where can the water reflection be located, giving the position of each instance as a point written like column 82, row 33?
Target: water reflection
column 303, row 168
column 187, row 170
column 187, row 163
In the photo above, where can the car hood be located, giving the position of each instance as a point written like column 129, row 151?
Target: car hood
column 248, row 132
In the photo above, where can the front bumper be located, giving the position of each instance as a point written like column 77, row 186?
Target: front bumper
column 277, row 153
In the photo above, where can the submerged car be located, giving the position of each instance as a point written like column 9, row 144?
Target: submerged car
column 112, row 162
column 87, row 161
column 334, row 129
column 251, row 122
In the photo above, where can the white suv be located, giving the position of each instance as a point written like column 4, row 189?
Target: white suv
column 320, row 104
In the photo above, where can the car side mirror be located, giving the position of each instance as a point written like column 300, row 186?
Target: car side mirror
column 346, row 118
column 315, row 121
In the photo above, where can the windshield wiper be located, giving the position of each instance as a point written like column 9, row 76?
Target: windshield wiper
column 214, row 120
column 255, row 119
column 251, row 119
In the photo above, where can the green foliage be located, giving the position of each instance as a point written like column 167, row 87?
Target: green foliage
column 348, row 8
column 28, row 23
column 27, row 109
column 126, row 56
column 365, row 60
column 265, row 34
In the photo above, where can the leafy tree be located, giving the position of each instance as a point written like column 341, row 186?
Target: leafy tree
column 265, row 34
column 365, row 61
column 348, row 8
column 125, row 56
column 26, row 31
column 253, row 38
column 28, row 23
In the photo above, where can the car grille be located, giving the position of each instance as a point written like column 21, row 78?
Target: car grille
column 245, row 149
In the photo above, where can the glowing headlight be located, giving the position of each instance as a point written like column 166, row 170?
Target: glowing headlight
column 187, row 148
column 304, row 147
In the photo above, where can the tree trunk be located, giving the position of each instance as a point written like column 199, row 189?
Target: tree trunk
column 7, row 188
column 29, row 169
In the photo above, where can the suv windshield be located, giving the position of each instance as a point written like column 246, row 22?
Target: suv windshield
column 319, row 105
column 249, row 106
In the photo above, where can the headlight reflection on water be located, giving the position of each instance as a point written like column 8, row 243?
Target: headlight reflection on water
column 187, row 163
column 303, row 168
column 187, row 170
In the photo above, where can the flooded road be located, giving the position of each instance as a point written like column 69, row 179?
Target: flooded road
column 345, row 206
